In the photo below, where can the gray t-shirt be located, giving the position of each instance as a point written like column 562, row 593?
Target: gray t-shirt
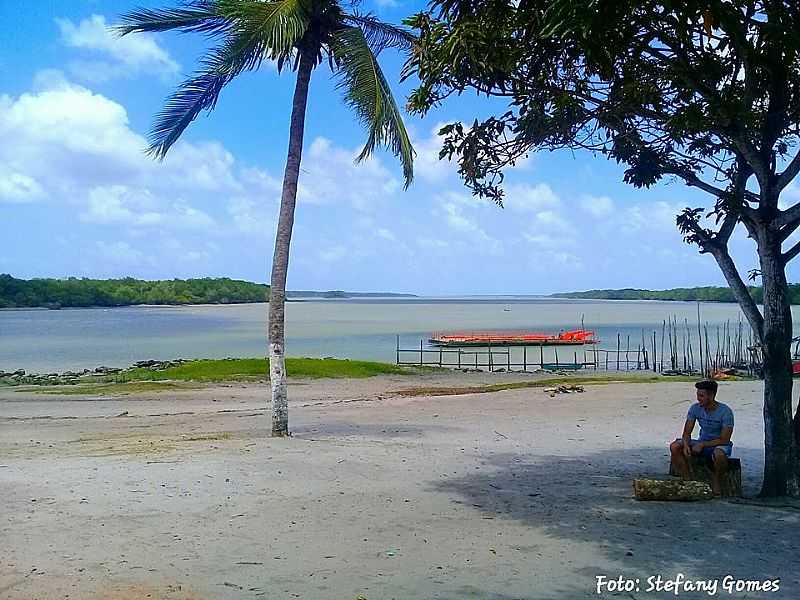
column 711, row 423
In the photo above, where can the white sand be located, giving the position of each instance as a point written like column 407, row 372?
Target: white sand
column 492, row 496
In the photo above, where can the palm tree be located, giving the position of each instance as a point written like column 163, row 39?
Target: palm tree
column 296, row 34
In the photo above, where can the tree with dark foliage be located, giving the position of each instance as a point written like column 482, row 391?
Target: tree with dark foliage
column 703, row 92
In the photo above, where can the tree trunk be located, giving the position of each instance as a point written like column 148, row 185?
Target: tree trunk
column 780, row 445
column 280, row 258
column 671, row 489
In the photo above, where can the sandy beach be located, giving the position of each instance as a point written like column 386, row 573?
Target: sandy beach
column 508, row 495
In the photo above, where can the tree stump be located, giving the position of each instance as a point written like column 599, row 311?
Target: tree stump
column 671, row 489
column 702, row 469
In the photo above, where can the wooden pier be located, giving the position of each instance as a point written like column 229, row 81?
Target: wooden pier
column 678, row 349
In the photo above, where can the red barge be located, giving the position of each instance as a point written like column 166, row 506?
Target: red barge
column 577, row 337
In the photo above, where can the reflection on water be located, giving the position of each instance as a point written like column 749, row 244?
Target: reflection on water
column 43, row 340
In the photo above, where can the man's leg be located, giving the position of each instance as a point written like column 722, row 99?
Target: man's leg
column 720, row 470
column 678, row 459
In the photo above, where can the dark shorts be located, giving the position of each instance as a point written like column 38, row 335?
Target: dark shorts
column 709, row 452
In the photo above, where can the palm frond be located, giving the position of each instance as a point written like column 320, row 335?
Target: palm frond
column 200, row 16
column 367, row 92
column 279, row 25
column 381, row 35
column 182, row 107
column 255, row 31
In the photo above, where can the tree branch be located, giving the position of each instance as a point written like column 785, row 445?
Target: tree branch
column 791, row 253
column 693, row 180
column 790, row 216
column 788, row 230
column 711, row 244
column 789, row 173
column 739, row 289
column 728, row 225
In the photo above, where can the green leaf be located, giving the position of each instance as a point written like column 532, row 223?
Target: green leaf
column 368, row 93
column 381, row 35
column 252, row 32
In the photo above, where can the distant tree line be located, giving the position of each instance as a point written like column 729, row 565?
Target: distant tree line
column 701, row 294
column 74, row 292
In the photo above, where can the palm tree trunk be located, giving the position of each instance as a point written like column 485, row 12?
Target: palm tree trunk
column 280, row 258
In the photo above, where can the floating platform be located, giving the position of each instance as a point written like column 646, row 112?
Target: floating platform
column 577, row 337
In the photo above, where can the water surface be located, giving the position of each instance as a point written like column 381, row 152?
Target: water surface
column 56, row 340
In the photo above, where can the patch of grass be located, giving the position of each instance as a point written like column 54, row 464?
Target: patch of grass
column 257, row 369
column 548, row 382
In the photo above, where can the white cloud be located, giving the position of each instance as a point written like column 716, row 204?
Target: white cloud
column 552, row 221
column 653, row 216
column 121, row 205
column 75, row 146
column 427, row 164
column 461, row 223
column 138, row 53
column 252, row 217
column 598, row 206
column 330, row 175
column 530, row 198
column 18, row 187
column 386, row 234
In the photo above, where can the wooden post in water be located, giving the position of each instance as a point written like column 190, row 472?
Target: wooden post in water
column 556, row 351
column 440, row 357
column 491, row 367
column 508, row 358
column 683, row 346
column 644, row 352
column 655, row 358
column 420, row 353
column 541, row 356
column 700, row 339
column 669, row 342
column 618, row 350
column 398, row 350
column 575, row 354
column 459, row 358
column 525, row 359
column 627, row 350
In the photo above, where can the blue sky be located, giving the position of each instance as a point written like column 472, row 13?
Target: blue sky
column 79, row 198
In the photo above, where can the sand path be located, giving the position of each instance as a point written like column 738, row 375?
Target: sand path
column 509, row 495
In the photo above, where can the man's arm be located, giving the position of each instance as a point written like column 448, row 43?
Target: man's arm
column 687, row 435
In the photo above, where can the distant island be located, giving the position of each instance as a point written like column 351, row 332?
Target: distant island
column 80, row 292
column 696, row 294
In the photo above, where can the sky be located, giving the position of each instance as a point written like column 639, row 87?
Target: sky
column 79, row 197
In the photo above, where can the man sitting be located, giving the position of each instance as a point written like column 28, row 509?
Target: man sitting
column 716, row 428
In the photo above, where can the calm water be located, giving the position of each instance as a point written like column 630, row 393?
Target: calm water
column 45, row 340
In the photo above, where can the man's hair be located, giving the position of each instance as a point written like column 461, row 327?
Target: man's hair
column 707, row 384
